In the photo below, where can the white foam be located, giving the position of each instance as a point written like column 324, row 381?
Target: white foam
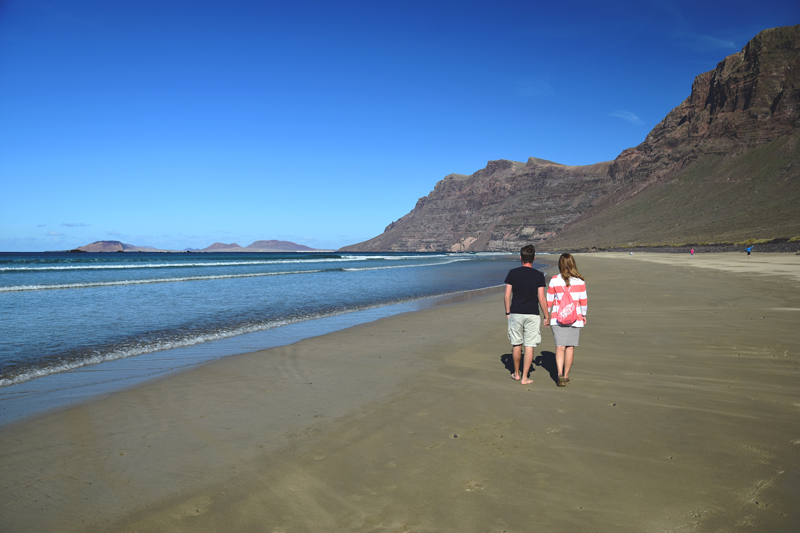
column 14, row 288
column 354, row 269
column 307, row 260
column 139, row 350
column 157, row 346
column 174, row 265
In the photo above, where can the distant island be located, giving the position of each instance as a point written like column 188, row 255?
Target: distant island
column 258, row 246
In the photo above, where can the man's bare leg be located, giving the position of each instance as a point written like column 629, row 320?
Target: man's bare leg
column 526, row 365
column 516, row 354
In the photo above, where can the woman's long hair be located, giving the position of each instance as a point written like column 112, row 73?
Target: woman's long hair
column 568, row 269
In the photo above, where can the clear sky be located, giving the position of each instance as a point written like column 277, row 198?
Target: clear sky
column 176, row 124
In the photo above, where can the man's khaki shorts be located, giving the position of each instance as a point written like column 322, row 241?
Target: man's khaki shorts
column 524, row 329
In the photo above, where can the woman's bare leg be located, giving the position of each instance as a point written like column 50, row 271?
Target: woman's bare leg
column 560, row 360
column 568, row 355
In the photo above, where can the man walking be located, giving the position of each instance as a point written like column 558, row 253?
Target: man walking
column 525, row 293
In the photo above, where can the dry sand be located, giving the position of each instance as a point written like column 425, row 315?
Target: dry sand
column 682, row 416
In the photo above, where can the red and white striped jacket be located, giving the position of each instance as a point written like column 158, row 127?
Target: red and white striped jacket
column 577, row 289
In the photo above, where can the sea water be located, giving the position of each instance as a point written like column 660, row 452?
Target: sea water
column 66, row 311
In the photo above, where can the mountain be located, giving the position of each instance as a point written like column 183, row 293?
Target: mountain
column 278, row 246
column 721, row 167
column 260, row 246
column 222, row 247
column 114, row 246
column 501, row 207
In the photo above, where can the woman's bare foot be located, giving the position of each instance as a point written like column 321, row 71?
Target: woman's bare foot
column 515, row 376
column 526, row 381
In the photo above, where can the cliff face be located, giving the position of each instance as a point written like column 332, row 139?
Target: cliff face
column 722, row 165
column 503, row 206
column 750, row 99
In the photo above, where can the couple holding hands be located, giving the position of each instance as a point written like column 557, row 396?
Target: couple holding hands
column 563, row 302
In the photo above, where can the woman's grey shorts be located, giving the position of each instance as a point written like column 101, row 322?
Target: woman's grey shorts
column 565, row 335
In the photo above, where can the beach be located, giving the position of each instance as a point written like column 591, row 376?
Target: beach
column 682, row 416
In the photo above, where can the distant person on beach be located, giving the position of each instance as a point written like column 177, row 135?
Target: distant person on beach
column 692, row 252
column 525, row 292
column 566, row 297
column 748, row 250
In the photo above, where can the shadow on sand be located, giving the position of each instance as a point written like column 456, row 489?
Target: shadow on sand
column 546, row 360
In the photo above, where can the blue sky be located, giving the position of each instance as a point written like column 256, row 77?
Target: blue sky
column 178, row 124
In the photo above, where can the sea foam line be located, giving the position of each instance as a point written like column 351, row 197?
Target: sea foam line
column 355, row 269
column 157, row 346
column 140, row 350
column 169, row 265
column 15, row 288
column 309, row 260
column 18, row 288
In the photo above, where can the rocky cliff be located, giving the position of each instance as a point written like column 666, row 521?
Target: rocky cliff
column 722, row 166
column 501, row 207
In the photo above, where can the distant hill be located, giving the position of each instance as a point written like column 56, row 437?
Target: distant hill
column 222, row 247
column 115, row 246
column 723, row 166
column 283, row 246
column 258, row 246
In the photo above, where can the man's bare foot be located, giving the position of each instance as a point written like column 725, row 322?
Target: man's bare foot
column 526, row 381
column 515, row 376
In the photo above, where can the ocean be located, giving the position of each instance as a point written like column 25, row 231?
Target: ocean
column 69, row 312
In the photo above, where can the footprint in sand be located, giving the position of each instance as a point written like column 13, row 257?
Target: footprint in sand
column 473, row 486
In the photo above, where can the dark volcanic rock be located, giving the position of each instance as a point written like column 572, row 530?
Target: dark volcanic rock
column 501, row 207
column 750, row 99
column 722, row 166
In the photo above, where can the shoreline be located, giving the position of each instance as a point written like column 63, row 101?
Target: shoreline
column 681, row 416
column 39, row 396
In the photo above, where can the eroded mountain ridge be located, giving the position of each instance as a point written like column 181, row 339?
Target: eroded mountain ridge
column 720, row 167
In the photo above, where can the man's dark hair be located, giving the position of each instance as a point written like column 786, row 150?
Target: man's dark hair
column 528, row 253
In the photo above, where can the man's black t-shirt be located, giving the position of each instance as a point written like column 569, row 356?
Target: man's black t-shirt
column 525, row 283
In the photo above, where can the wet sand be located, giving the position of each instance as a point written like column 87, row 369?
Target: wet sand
column 682, row 416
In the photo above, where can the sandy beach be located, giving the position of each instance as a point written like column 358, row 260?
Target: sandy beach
column 682, row 416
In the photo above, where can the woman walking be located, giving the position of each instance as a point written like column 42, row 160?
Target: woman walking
column 566, row 301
